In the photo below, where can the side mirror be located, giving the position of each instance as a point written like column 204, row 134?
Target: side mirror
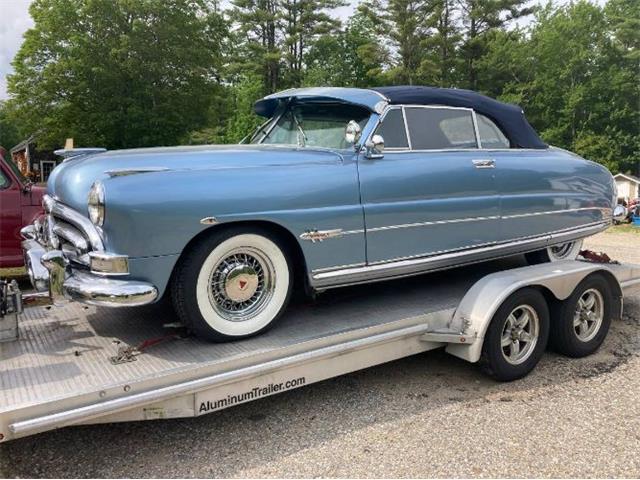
column 374, row 147
column 353, row 132
column 620, row 213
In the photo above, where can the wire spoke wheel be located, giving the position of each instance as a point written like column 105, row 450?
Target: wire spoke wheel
column 241, row 284
column 520, row 334
column 588, row 315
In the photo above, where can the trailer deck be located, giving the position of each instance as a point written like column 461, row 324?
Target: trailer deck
column 61, row 370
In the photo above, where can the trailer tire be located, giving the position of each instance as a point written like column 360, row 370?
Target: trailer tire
column 516, row 337
column 582, row 321
column 232, row 284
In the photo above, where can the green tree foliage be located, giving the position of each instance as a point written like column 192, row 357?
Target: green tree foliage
column 257, row 49
column 585, row 98
column 124, row 73
column 351, row 58
column 9, row 133
column 116, row 73
column 302, row 22
column 480, row 18
column 441, row 62
column 404, row 25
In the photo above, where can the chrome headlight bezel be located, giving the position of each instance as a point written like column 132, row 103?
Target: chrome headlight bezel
column 96, row 204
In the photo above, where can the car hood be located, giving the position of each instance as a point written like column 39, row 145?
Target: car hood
column 71, row 180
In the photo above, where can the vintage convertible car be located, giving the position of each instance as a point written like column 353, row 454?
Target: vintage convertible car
column 339, row 186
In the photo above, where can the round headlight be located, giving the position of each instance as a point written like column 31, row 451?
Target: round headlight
column 95, row 204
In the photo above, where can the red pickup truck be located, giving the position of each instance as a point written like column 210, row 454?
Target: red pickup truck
column 20, row 204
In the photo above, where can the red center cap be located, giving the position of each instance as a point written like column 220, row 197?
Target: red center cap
column 242, row 283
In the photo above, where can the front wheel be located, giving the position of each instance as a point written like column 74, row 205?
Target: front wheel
column 232, row 284
column 555, row 253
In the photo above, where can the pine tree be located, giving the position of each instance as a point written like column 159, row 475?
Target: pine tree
column 257, row 43
column 302, row 22
column 479, row 18
column 404, row 23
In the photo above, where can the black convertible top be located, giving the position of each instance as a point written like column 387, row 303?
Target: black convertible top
column 510, row 118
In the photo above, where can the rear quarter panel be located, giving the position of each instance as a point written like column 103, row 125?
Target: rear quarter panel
column 550, row 190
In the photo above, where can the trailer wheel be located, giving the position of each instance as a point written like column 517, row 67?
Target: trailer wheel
column 517, row 336
column 582, row 321
column 555, row 253
column 232, row 284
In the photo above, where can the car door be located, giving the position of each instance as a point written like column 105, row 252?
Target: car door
column 10, row 221
column 432, row 191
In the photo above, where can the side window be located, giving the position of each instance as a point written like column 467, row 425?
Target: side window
column 4, row 181
column 392, row 130
column 440, row 128
column 490, row 135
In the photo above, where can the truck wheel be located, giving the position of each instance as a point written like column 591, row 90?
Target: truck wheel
column 516, row 337
column 555, row 253
column 232, row 284
column 583, row 320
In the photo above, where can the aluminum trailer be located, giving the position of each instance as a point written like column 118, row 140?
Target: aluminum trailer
column 81, row 365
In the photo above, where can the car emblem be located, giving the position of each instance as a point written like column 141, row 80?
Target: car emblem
column 242, row 283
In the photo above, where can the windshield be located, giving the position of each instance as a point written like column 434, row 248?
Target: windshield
column 16, row 171
column 312, row 125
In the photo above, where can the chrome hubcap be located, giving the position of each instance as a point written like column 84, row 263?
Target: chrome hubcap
column 589, row 314
column 562, row 250
column 241, row 284
column 520, row 334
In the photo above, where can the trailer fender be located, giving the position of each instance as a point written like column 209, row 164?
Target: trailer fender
column 478, row 306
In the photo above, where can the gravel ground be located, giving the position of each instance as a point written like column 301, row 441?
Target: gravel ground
column 423, row 416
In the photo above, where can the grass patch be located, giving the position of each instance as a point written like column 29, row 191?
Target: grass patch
column 12, row 272
column 624, row 228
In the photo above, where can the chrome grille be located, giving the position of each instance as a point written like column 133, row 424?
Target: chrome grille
column 65, row 229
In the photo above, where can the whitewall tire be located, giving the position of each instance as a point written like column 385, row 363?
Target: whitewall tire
column 233, row 284
column 556, row 253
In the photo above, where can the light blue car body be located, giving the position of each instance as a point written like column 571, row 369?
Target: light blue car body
column 400, row 214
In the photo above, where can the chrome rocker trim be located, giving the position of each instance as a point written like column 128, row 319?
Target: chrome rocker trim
column 49, row 270
column 404, row 267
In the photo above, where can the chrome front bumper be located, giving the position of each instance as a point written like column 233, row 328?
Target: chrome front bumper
column 50, row 270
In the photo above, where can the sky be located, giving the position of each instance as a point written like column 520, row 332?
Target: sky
column 15, row 20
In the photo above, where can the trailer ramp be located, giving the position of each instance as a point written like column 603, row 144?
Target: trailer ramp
column 76, row 364
column 60, row 371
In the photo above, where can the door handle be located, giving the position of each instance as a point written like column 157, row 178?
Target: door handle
column 484, row 163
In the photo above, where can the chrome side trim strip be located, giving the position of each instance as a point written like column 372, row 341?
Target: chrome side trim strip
column 434, row 222
column 319, row 235
column 209, row 221
column 551, row 212
column 122, row 172
column 470, row 219
column 439, row 260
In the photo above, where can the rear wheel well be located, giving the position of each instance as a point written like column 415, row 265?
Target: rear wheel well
column 284, row 237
